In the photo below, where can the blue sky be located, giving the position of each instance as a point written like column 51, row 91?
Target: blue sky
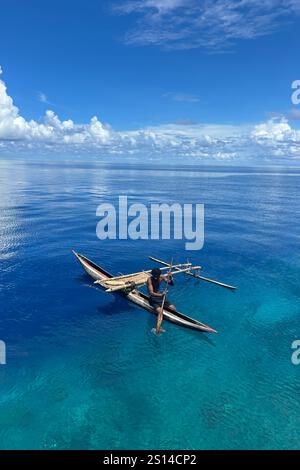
column 153, row 70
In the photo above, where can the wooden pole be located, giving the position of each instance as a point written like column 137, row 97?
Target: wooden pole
column 164, row 299
column 133, row 284
column 197, row 276
column 176, row 266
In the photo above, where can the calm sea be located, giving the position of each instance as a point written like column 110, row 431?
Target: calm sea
column 84, row 370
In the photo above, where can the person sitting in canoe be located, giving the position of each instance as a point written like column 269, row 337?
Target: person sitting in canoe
column 157, row 299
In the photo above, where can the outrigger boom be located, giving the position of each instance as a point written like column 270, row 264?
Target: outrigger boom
column 131, row 281
column 196, row 275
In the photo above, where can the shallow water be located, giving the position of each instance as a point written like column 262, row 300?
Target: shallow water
column 83, row 368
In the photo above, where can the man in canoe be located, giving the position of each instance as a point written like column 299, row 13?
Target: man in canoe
column 158, row 299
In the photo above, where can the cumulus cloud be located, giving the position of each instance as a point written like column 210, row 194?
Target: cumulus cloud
column 277, row 138
column 265, row 141
column 214, row 25
column 52, row 130
column 276, row 130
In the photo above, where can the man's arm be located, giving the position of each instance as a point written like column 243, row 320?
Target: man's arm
column 151, row 291
column 169, row 279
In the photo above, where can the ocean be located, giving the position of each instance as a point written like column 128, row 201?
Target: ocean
column 83, row 369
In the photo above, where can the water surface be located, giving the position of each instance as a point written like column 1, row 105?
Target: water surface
column 84, row 370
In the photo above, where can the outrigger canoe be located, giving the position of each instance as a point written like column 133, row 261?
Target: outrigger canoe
column 139, row 298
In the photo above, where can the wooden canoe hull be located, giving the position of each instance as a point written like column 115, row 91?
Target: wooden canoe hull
column 142, row 300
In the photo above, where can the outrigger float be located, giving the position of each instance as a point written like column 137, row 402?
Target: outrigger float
column 128, row 286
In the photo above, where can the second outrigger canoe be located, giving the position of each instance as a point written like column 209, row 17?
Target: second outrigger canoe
column 139, row 298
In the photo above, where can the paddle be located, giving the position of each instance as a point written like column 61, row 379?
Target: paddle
column 164, row 297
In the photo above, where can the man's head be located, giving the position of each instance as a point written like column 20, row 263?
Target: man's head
column 156, row 273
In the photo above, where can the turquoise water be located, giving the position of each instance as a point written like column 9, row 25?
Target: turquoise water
column 84, row 370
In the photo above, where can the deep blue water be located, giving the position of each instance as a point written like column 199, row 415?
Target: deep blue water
column 83, row 368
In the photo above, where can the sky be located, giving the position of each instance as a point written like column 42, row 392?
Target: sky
column 206, row 80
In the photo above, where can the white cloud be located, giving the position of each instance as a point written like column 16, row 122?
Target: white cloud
column 276, row 130
column 160, row 6
column 182, row 97
column 269, row 140
column 213, row 25
column 43, row 98
column 277, row 138
column 52, row 130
